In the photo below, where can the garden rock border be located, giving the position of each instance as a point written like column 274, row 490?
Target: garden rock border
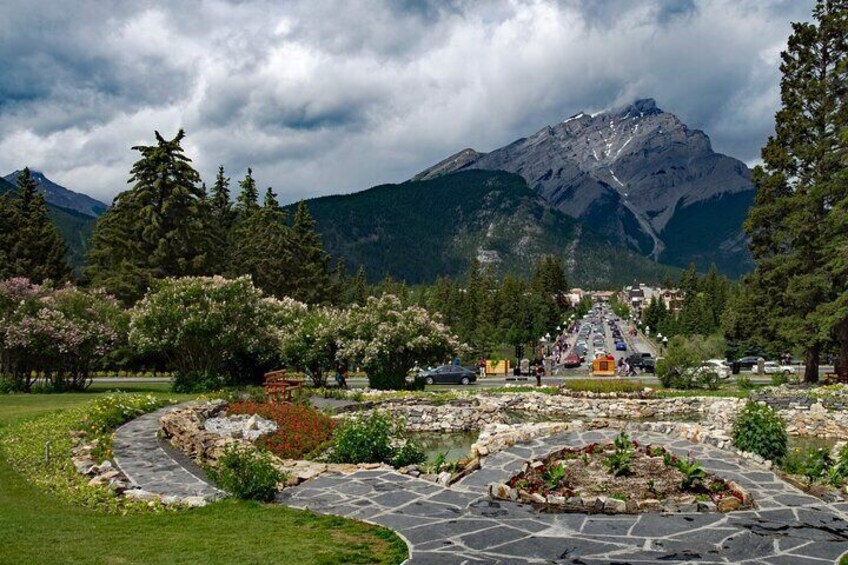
column 463, row 525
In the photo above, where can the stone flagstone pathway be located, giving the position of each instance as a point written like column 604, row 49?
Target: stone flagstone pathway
column 155, row 466
column 461, row 525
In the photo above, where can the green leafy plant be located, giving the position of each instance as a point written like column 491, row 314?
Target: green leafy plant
column 247, row 474
column 410, row 453
column 619, row 462
column 553, row 475
column 812, row 463
column 760, row 429
column 692, row 472
column 744, row 382
column 778, row 379
column 603, row 386
column 374, row 438
column 439, row 461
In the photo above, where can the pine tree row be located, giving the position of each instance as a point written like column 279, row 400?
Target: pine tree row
column 30, row 245
column 166, row 225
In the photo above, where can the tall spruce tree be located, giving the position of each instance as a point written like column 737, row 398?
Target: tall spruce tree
column 221, row 221
column 222, row 207
column 248, row 198
column 798, row 187
column 311, row 263
column 30, row 245
column 271, row 199
column 261, row 248
column 157, row 228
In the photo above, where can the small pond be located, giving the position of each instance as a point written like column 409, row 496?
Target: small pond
column 803, row 443
column 456, row 445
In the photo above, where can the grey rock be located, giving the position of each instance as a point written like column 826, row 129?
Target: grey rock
column 636, row 165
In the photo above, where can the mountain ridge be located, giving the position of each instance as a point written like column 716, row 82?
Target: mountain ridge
column 62, row 197
column 419, row 230
column 627, row 171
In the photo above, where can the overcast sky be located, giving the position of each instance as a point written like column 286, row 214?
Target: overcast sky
column 326, row 97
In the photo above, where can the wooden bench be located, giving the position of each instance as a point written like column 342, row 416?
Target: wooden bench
column 279, row 388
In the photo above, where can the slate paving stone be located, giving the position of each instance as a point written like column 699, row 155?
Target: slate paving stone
column 712, row 536
column 401, row 522
column 431, row 509
column 395, row 499
column 353, row 488
column 462, row 525
column 446, row 529
column 554, row 548
column 795, row 560
column 489, row 539
column 607, row 525
column 436, row 558
column 662, row 525
column 746, row 545
column 454, row 498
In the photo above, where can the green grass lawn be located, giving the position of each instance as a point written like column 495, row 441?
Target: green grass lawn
column 36, row 527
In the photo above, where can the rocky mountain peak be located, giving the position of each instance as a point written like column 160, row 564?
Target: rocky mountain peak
column 629, row 169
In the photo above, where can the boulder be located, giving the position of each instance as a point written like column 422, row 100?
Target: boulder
column 615, row 506
column 728, row 504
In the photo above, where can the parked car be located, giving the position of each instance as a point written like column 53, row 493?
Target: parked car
column 571, row 360
column 747, row 362
column 449, row 374
column 718, row 366
column 775, row 368
column 643, row 361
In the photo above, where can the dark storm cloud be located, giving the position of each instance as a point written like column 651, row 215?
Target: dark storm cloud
column 323, row 96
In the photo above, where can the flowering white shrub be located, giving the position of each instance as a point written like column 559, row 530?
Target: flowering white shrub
column 310, row 340
column 388, row 339
column 59, row 333
column 212, row 329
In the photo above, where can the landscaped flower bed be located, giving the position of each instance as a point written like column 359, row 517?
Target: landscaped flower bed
column 301, row 429
column 621, row 476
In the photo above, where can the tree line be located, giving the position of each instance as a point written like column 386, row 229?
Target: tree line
column 798, row 226
column 168, row 225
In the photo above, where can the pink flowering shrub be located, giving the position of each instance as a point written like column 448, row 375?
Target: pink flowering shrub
column 59, row 333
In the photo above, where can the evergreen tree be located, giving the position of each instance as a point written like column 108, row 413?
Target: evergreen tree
column 222, row 220
column 248, row 198
column 270, row 199
column 798, row 190
column 356, row 290
column 311, row 277
column 157, row 228
column 261, row 248
column 30, row 245
column 222, row 207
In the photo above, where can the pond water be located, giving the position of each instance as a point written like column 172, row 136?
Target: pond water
column 807, row 442
column 457, row 445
